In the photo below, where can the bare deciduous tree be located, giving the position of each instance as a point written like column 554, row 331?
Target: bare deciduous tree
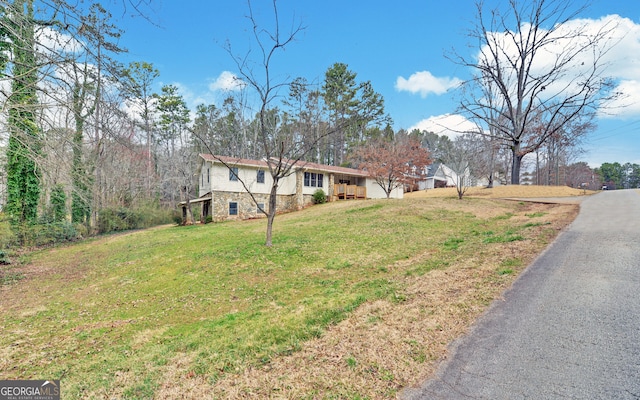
column 281, row 154
column 459, row 159
column 137, row 84
column 536, row 64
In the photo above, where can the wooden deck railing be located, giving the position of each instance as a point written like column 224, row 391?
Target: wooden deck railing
column 345, row 192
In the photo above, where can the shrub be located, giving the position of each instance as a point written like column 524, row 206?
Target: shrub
column 152, row 215
column 7, row 236
column 4, row 258
column 319, row 197
column 117, row 219
column 82, row 230
column 122, row 219
column 176, row 216
column 45, row 234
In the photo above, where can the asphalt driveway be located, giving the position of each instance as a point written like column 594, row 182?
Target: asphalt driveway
column 569, row 328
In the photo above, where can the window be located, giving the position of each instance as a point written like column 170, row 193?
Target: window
column 233, row 208
column 260, row 176
column 208, row 175
column 260, row 208
column 313, row 180
column 233, row 174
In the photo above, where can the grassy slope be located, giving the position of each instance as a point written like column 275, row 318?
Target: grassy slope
column 118, row 315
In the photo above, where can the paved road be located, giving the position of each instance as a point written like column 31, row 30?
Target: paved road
column 569, row 328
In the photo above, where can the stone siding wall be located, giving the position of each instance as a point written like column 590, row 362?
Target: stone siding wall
column 247, row 209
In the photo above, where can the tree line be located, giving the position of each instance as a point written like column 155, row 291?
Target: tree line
column 83, row 131
column 619, row 176
column 86, row 138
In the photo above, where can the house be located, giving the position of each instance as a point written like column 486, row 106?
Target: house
column 223, row 195
column 484, row 181
column 438, row 176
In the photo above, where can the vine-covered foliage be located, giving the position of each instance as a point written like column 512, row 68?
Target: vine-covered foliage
column 23, row 174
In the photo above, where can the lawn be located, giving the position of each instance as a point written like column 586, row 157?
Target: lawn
column 355, row 299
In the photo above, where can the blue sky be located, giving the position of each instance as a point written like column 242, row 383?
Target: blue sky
column 383, row 42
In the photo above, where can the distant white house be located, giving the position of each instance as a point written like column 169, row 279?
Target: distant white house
column 224, row 197
column 484, row 181
column 438, row 176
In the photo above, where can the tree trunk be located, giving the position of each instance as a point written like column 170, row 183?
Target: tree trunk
column 537, row 166
column 190, row 213
column 270, row 217
column 515, row 167
column 271, row 214
column 189, row 220
column 492, row 165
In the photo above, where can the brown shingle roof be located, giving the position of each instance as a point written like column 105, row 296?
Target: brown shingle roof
column 300, row 164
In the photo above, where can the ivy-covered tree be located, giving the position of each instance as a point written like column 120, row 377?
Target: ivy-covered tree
column 58, row 204
column 5, row 44
column 23, row 173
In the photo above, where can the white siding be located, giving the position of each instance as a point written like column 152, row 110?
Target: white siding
column 374, row 191
column 214, row 177
column 205, row 179
column 287, row 185
column 249, row 174
column 220, row 180
column 426, row 184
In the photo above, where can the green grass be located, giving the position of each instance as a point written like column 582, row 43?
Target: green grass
column 9, row 277
column 111, row 313
column 504, row 238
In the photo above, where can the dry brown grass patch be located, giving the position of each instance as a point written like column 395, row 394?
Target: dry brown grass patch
column 505, row 191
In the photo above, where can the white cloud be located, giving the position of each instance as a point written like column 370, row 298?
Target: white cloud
column 451, row 125
column 227, row 81
column 50, row 41
column 623, row 58
column 619, row 53
column 627, row 105
column 424, row 82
